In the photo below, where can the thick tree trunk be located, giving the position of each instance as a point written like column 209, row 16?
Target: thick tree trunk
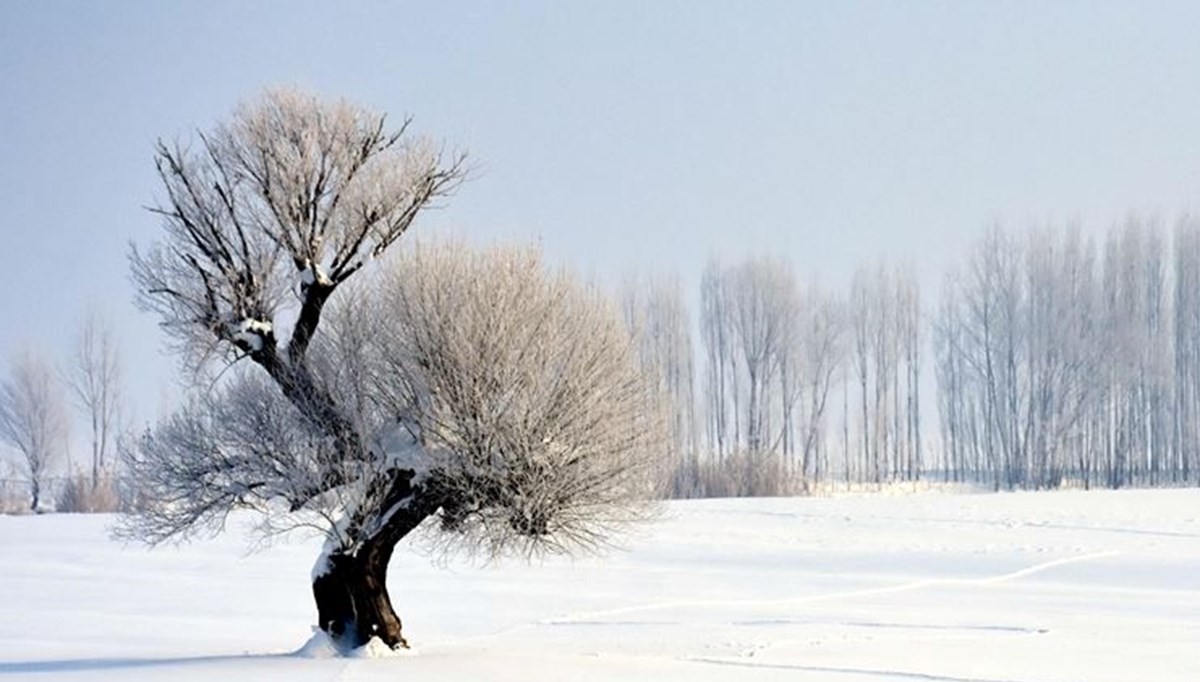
column 352, row 599
column 350, row 586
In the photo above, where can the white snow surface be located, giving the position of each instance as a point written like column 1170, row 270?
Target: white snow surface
column 1019, row 587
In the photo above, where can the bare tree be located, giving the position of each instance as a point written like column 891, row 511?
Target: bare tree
column 951, row 379
column 720, row 366
column 33, row 418
column 761, row 297
column 862, row 321
column 94, row 376
column 909, row 339
column 483, row 390
column 656, row 315
column 884, row 318
column 751, row 325
column 819, row 343
column 1186, row 333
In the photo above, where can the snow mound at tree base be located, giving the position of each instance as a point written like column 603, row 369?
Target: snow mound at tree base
column 376, row 648
column 321, row 646
column 318, row 646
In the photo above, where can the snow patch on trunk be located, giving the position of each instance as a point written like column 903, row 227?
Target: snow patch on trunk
column 323, row 566
column 251, row 333
column 334, row 543
column 313, row 273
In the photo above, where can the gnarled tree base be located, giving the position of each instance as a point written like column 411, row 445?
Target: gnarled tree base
column 352, row 601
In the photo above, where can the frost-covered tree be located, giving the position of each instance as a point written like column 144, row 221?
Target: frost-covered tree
column 498, row 400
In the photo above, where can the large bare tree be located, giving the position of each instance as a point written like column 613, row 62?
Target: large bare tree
column 481, row 389
column 33, row 418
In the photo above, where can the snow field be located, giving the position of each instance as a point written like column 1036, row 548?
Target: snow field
column 1021, row 587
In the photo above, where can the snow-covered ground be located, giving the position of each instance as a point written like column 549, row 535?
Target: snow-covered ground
column 929, row 587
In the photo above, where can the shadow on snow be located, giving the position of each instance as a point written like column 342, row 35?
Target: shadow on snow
column 100, row 664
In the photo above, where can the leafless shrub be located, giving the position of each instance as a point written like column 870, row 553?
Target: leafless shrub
column 525, row 386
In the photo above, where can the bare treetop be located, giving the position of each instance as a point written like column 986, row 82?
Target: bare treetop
column 292, row 196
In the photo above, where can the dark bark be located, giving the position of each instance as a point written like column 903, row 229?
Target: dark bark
column 353, row 604
column 315, row 297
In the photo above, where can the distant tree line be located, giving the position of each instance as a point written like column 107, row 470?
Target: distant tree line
column 1059, row 359
column 794, row 384
column 1063, row 359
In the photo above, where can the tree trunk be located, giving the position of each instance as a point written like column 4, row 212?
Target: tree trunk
column 350, row 585
column 352, row 598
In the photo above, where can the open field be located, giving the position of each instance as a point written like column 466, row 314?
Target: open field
column 1024, row 587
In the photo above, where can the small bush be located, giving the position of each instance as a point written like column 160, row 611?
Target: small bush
column 81, row 495
column 14, row 496
column 749, row 474
column 14, row 491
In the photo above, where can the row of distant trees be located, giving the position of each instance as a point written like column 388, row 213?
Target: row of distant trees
column 36, row 400
column 793, row 384
column 1067, row 359
column 1059, row 360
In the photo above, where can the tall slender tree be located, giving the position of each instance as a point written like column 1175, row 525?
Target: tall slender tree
column 94, row 376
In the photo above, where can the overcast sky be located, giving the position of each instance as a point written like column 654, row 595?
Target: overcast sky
column 620, row 135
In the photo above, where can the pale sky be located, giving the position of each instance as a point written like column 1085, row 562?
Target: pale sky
column 620, row 135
